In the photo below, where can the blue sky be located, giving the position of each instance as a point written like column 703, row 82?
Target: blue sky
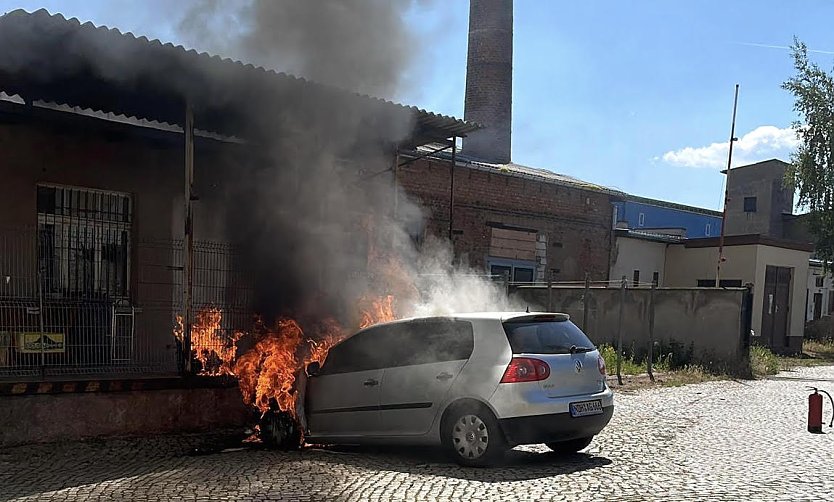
column 633, row 95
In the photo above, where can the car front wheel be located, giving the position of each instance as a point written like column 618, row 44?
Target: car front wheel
column 572, row 446
column 472, row 436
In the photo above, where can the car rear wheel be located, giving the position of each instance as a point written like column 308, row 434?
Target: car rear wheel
column 472, row 436
column 572, row 446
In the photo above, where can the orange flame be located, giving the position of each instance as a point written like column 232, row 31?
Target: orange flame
column 208, row 346
column 377, row 310
column 267, row 372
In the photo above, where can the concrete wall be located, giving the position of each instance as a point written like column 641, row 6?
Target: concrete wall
column 748, row 263
column 631, row 254
column 704, row 325
column 575, row 223
column 685, row 266
column 68, row 417
column 765, row 181
column 707, row 322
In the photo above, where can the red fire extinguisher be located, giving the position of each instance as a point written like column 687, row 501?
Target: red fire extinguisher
column 815, row 410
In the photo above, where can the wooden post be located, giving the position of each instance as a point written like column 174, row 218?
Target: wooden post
column 452, row 193
column 188, row 237
column 550, row 295
column 586, row 305
column 620, row 331
column 507, row 284
column 650, row 355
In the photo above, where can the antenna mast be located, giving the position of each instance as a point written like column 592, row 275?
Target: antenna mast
column 733, row 139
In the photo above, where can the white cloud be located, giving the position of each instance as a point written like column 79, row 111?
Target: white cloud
column 762, row 143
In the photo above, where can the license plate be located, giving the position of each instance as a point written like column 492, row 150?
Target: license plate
column 585, row 408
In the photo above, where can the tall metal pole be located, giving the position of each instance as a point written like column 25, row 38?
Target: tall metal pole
column 726, row 192
column 620, row 331
column 452, row 191
column 650, row 355
column 395, row 181
column 40, row 318
column 188, row 237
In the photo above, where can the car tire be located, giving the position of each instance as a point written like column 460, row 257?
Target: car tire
column 569, row 447
column 279, row 430
column 472, row 436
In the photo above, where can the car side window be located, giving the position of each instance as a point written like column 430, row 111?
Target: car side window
column 425, row 341
column 422, row 341
column 370, row 349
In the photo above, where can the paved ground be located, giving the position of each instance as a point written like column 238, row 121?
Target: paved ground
column 713, row 441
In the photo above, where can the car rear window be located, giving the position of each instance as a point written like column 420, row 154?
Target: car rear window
column 545, row 337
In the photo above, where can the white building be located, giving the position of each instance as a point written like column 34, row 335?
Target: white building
column 820, row 299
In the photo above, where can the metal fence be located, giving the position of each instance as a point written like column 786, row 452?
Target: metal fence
column 48, row 331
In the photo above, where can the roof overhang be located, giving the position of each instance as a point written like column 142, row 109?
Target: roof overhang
column 749, row 240
column 52, row 59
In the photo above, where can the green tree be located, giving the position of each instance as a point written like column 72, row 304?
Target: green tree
column 812, row 171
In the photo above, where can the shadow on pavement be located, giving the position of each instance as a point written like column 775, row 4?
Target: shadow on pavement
column 134, row 466
column 37, row 469
column 518, row 465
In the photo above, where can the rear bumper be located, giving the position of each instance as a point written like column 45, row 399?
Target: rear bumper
column 553, row 427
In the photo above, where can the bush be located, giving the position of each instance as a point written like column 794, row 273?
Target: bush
column 820, row 329
column 629, row 365
column 763, row 361
column 822, row 349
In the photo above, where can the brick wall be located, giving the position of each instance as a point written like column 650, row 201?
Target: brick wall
column 489, row 79
column 576, row 223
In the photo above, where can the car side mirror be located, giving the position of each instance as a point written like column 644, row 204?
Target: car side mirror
column 313, row 368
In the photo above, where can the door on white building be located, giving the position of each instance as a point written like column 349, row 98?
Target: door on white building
column 776, row 307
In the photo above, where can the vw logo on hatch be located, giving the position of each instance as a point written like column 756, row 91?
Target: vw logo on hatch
column 578, row 365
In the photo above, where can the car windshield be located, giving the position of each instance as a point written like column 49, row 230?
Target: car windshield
column 546, row 337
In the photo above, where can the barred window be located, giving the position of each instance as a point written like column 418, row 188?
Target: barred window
column 84, row 241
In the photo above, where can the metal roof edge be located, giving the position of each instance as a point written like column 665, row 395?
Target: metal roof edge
column 507, row 169
column 431, row 119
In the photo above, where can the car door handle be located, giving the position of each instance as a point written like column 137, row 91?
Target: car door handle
column 370, row 382
column 444, row 376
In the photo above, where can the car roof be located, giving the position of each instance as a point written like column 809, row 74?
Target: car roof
column 499, row 316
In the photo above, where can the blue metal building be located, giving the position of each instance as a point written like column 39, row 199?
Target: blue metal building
column 638, row 213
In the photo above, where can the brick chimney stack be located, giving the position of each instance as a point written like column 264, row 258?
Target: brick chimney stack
column 489, row 80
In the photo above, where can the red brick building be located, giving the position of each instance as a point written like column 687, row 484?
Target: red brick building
column 535, row 224
column 532, row 224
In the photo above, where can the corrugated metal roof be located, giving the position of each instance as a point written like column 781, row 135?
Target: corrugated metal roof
column 522, row 171
column 650, row 236
column 54, row 59
column 673, row 205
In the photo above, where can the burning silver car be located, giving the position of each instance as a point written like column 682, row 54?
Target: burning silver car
column 478, row 384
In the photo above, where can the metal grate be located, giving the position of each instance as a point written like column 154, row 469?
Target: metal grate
column 83, row 242
column 101, row 326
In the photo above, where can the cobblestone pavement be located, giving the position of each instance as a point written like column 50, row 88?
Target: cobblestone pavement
column 712, row 441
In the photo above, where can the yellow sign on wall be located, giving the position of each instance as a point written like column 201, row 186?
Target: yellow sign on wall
column 35, row 342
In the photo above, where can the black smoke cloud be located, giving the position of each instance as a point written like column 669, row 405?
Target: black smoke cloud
column 302, row 207
column 318, row 198
column 361, row 45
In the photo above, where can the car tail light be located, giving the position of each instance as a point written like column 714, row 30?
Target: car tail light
column 601, row 365
column 526, row 369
